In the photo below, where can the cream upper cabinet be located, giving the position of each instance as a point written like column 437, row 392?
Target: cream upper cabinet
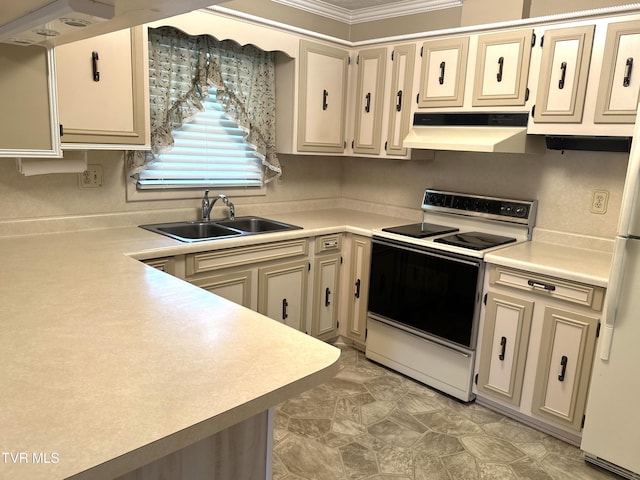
column 620, row 76
column 443, row 72
column 371, row 67
column 502, row 68
column 27, row 94
column 566, row 54
column 402, row 69
column 322, row 98
column 102, row 89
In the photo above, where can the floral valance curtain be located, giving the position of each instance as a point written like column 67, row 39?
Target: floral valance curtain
column 181, row 67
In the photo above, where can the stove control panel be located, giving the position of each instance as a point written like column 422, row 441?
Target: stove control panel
column 494, row 208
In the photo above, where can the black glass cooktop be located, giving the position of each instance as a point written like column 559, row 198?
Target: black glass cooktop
column 420, row 230
column 475, row 240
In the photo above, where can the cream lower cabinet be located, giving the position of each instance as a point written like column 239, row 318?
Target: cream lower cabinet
column 537, row 340
column 357, row 287
column 327, row 272
column 102, row 89
column 232, row 285
column 271, row 278
column 504, row 346
column 282, row 293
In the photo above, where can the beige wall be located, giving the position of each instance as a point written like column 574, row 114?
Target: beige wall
column 563, row 185
column 478, row 12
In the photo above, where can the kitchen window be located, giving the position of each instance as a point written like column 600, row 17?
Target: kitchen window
column 212, row 116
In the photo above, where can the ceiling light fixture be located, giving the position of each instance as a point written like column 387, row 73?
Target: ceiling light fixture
column 54, row 19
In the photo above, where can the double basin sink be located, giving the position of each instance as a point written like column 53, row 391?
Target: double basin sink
column 198, row 231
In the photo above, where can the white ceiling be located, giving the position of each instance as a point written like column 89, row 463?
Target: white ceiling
column 358, row 11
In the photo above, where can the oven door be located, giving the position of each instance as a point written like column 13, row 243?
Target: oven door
column 426, row 291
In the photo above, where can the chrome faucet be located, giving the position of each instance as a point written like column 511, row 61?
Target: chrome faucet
column 207, row 206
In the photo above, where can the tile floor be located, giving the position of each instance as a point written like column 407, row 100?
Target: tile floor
column 370, row 423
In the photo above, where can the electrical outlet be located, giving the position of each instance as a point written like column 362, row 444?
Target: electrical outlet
column 599, row 202
column 91, row 177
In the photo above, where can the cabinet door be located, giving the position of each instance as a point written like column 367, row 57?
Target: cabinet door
column 564, row 366
column 443, row 73
column 403, row 60
column 322, row 98
column 359, row 268
column 282, row 292
column 325, row 297
column 369, row 100
column 30, row 119
column 503, row 352
column 502, row 68
column 619, row 82
column 566, row 55
column 101, row 89
column 234, row 286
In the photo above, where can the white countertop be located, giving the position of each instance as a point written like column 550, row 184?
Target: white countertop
column 577, row 264
column 110, row 364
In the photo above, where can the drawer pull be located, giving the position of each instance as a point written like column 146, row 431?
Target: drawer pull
column 94, row 66
column 441, row 78
column 327, row 294
column 500, row 67
column 626, row 81
column 358, row 288
column 399, row 101
column 367, row 102
column 325, row 104
column 285, row 304
column 503, row 347
column 563, row 364
column 563, row 75
column 545, row 286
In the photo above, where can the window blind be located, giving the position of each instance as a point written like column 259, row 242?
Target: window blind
column 209, row 151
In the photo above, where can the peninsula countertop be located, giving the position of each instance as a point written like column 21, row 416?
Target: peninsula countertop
column 109, row 364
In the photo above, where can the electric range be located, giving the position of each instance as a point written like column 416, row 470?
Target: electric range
column 426, row 283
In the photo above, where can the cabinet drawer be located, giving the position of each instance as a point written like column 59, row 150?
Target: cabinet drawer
column 233, row 257
column 165, row 264
column 571, row 292
column 329, row 243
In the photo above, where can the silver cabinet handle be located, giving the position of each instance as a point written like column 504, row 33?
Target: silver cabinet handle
column 546, row 286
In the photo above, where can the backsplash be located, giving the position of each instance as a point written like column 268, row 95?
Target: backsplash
column 562, row 183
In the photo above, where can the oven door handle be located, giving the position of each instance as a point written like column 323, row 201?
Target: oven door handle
column 423, row 251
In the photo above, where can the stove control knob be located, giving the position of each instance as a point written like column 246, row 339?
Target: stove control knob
column 521, row 211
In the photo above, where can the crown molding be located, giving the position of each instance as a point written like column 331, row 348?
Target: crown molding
column 369, row 14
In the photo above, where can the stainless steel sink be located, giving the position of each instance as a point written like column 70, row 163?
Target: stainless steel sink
column 256, row 225
column 202, row 231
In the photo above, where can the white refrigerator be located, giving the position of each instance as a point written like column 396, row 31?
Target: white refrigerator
column 611, row 435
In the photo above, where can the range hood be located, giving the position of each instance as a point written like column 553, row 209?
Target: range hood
column 473, row 132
